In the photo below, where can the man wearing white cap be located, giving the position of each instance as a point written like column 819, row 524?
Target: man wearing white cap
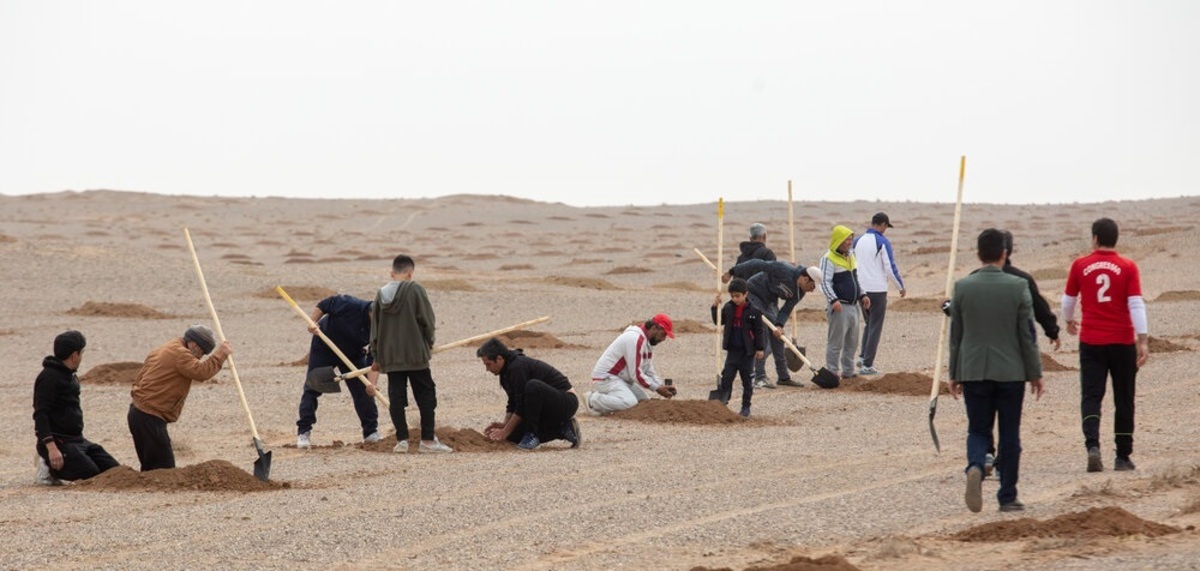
column 769, row 282
column 627, row 367
column 162, row 386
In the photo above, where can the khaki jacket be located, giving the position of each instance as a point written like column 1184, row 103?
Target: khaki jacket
column 166, row 376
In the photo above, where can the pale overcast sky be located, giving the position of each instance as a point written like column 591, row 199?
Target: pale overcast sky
column 604, row 102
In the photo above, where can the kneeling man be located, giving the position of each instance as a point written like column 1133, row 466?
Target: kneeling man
column 627, row 366
column 541, row 403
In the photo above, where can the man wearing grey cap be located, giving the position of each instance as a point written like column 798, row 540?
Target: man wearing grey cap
column 756, row 247
column 876, row 267
column 162, row 386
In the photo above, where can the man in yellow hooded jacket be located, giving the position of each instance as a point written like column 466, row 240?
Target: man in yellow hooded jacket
column 839, row 285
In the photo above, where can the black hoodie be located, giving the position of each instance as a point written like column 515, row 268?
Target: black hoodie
column 755, row 251
column 56, row 408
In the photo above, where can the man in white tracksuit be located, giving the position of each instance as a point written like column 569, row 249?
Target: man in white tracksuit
column 627, row 366
column 876, row 266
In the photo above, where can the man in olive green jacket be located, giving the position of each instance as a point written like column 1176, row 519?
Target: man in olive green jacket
column 992, row 356
column 402, row 333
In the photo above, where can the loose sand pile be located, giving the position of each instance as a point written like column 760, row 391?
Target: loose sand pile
column 106, row 309
column 691, row 326
column 1160, row 345
column 452, row 284
column 211, row 476
column 1049, row 365
column 798, row 563
column 627, row 270
column 521, row 339
column 460, row 439
column 121, row 373
column 911, row 384
column 1187, row 295
column 1109, row 521
column 916, row 304
column 688, row 286
column 298, row 293
column 301, row 362
column 591, row 283
column 703, row 412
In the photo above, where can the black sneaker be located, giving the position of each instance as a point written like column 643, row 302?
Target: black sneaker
column 1094, row 464
column 745, row 411
column 571, row 433
column 788, row 382
column 1013, row 506
column 1123, row 464
column 529, row 442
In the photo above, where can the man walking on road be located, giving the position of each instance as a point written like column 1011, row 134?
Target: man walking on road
column 876, row 266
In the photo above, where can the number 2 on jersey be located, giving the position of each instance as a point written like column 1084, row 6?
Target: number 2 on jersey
column 1104, row 281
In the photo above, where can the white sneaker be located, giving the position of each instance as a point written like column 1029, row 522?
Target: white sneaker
column 434, row 448
column 304, row 440
column 372, row 437
column 43, row 477
column 401, row 447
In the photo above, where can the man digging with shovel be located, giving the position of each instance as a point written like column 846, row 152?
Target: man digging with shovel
column 346, row 321
column 768, row 282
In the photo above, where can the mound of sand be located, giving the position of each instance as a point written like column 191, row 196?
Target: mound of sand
column 689, row 286
column 301, row 362
column 689, row 326
column 703, row 412
column 298, row 293
column 6, row 239
column 120, row 373
column 533, row 340
column 1109, row 521
column 460, row 439
column 1186, row 295
column 627, row 270
column 916, row 305
column 591, row 283
column 511, row 267
column 932, row 250
column 1159, row 345
column 453, row 284
column 911, row 384
column 1049, row 365
column 106, row 309
column 798, row 563
column 211, row 476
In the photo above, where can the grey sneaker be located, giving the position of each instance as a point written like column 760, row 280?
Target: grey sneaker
column 1094, row 463
column 788, row 382
column 745, row 411
column 1123, row 464
column 989, row 464
column 304, row 440
column 868, row 371
column 763, row 383
column 974, row 494
column 372, row 438
column 43, row 477
column 401, row 447
column 434, row 447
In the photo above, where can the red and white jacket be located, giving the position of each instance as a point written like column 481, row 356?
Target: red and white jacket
column 629, row 357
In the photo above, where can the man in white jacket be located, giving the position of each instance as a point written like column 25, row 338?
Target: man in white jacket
column 876, row 267
column 627, row 367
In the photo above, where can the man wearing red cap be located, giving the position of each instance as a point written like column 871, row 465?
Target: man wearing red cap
column 627, row 367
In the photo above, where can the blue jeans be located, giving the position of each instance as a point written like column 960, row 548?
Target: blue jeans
column 364, row 405
column 986, row 401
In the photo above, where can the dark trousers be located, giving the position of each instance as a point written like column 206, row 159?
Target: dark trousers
column 774, row 346
column 82, row 458
column 425, row 393
column 872, row 327
column 1096, row 363
column 737, row 362
column 364, row 405
column 151, row 440
column 987, row 402
column 546, row 411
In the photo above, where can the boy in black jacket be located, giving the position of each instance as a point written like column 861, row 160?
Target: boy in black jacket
column 743, row 341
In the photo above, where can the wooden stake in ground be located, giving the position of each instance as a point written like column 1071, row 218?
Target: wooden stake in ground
column 792, row 246
column 262, row 466
column 717, row 267
column 941, row 347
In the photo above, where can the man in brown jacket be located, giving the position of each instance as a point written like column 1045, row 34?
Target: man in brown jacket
column 161, row 387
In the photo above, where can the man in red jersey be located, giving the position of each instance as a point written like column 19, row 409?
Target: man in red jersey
column 1113, row 338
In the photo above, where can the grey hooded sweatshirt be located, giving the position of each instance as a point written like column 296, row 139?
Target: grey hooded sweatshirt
column 402, row 327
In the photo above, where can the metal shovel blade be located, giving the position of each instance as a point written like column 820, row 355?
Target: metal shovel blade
column 323, row 380
column 262, row 466
column 826, row 379
column 794, row 363
column 933, row 431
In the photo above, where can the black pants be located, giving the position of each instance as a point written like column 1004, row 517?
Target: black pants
column 425, row 393
column 546, row 411
column 1096, row 363
column 82, row 458
column 738, row 363
column 990, row 403
column 151, row 440
column 364, row 405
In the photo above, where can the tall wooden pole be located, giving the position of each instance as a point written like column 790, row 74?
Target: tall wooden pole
column 941, row 346
column 720, row 254
column 792, row 234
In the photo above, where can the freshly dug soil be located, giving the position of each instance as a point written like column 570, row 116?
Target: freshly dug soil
column 453, row 284
column 1109, row 521
column 591, row 283
column 460, row 439
column 106, row 309
column 1188, row 295
column 912, row 384
column 301, row 362
column 1049, row 365
column 211, row 476
column 692, row 326
column 627, row 270
column 120, row 373
column 798, row 563
column 521, row 339
column 703, row 412
column 916, row 305
column 1159, row 345
column 298, row 293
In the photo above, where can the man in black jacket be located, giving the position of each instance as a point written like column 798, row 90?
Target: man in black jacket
column 756, row 247
column 770, row 282
column 541, row 403
column 64, row 454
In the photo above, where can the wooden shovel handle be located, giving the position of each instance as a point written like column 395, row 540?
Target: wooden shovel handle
column 220, row 334
column 790, row 345
column 356, row 373
column 490, row 334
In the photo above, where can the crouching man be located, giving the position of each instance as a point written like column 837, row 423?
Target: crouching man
column 541, row 403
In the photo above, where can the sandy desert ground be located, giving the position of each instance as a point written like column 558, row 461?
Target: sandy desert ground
column 845, row 473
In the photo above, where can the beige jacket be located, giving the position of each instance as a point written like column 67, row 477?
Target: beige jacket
column 166, row 376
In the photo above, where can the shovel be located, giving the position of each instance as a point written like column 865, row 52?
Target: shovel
column 329, row 386
column 326, row 379
column 823, row 378
column 262, row 466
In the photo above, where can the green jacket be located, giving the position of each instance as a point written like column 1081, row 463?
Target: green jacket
column 402, row 327
column 989, row 329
